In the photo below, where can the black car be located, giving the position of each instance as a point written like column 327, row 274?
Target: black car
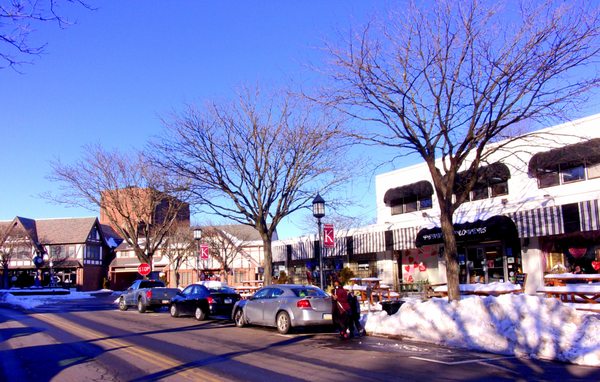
column 221, row 300
column 201, row 302
column 193, row 300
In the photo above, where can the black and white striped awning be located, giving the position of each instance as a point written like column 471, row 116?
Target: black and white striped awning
column 544, row 221
column 589, row 215
column 369, row 242
column 404, row 238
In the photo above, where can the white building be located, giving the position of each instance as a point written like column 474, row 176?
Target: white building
column 535, row 210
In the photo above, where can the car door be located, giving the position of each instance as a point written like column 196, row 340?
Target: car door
column 271, row 306
column 253, row 309
column 185, row 305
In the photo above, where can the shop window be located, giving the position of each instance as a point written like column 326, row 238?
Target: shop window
column 593, row 171
column 555, row 262
column 573, row 174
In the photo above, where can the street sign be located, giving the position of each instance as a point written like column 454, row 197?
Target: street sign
column 204, row 251
column 328, row 239
column 144, row 269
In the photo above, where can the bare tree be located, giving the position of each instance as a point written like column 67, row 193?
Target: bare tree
column 225, row 247
column 17, row 20
column 179, row 247
column 445, row 80
column 141, row 202
column 255, row 162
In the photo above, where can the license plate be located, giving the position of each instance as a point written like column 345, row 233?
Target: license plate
column 327, row 316
column 165, row 301
column 228, row 301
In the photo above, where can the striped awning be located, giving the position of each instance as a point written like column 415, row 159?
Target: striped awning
column 589, row 215
column 538, row 222
column 303, row 250
column 279, row 253
column 369, row 242
column 340, row 249
column 404, row 238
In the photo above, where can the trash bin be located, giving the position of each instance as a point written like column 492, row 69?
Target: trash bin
column 391, row 307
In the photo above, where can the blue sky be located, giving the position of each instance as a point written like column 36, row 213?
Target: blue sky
column 110, row 76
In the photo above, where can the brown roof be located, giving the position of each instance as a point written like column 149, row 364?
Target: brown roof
column 64, row 231
column 240, row 231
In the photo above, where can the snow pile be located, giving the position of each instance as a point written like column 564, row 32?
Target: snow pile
column 32, row 301
column 512, row 324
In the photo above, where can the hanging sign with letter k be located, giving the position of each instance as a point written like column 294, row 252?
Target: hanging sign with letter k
column 328, row 239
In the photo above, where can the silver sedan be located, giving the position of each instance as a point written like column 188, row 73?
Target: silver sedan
column 284, row 306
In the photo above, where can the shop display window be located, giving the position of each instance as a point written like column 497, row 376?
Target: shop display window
column 555, row 262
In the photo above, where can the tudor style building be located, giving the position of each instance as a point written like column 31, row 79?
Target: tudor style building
column 76, row 251
column 535, row 209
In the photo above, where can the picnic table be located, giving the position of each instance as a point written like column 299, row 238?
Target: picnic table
column 246, row 291
column 568, row 278
column 378, row 290
column 491, row 289
column 574, row 293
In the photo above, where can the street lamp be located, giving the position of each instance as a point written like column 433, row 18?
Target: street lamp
column 318, row 205
column 197, row 238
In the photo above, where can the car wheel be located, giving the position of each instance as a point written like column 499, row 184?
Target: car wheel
column 200, row 314
column 283, row 322
column 174, row 311
column 141, row 307
column 239, row 318
column 122, row 304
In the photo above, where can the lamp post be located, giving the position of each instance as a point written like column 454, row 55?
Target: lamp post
column 318, row 205
column 197, row 238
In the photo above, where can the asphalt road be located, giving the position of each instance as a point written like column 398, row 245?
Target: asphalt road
column 93, row 341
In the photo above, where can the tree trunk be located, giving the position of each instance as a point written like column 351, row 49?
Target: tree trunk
column 268, row 260
column 450, row 255
column 176, row 278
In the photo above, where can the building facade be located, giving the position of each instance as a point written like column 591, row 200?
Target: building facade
column 75, row 252
column 535, row 209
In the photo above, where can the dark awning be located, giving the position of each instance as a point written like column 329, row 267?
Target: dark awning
column 571, row 155
column 486, row 175
column 495, row 228
column 418, row 190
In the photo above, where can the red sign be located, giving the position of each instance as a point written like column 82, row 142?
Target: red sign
column 204, row 251
column 328, row 239
column 144, row 269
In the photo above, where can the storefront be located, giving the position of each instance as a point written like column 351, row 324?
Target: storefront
column 488, row 250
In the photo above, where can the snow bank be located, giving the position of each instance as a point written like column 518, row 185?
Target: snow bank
column 32, row 301
column 512, row 324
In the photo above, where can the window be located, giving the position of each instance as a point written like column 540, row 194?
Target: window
column 499, row 189
column 573, row 174
column 549, row 179
column 92, row 252
column 570, row 215
column 593, row 171
column 411, row 204
column 94, row 235
column 71, row 251
column 479, row 193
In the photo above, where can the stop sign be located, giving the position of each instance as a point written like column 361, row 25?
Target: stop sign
column 144, row 269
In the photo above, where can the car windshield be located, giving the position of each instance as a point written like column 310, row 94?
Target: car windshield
column 308, row 292
column 222, row 290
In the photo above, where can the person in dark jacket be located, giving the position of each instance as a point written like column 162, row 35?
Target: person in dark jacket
column 341, row 309
column 354, row 321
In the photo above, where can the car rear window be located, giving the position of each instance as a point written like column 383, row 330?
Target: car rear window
column 308, row 292
column 222, row 290
column 152, row 284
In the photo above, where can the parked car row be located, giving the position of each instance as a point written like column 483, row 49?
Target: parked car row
column 283, row 306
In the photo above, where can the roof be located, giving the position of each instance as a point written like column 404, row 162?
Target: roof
column 240, row 231
column 64, row 231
